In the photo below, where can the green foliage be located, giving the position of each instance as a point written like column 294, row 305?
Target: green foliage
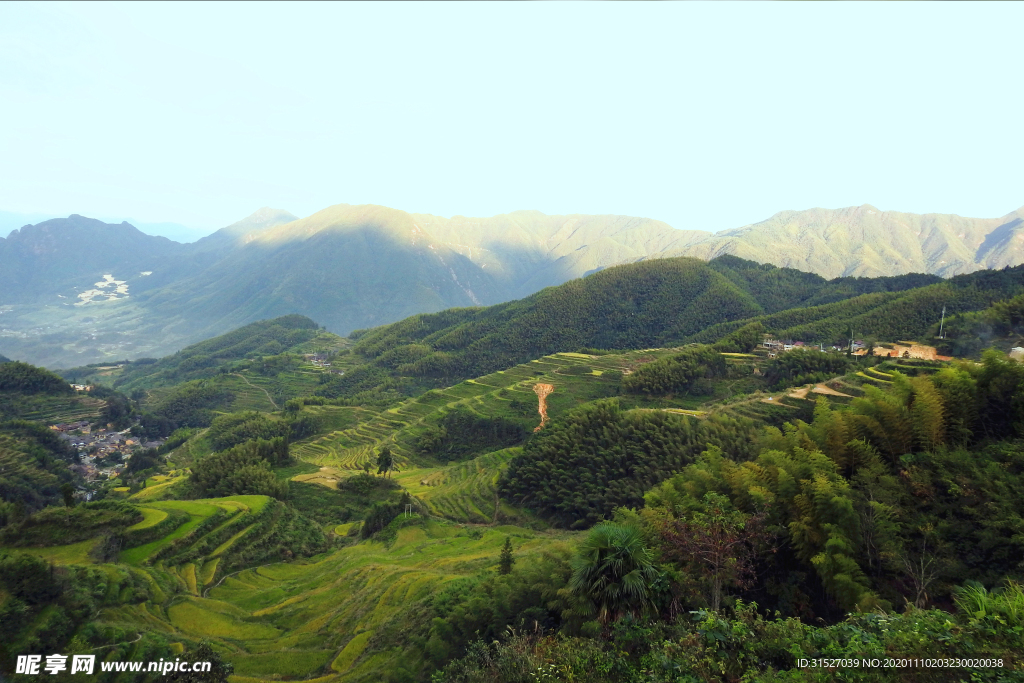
column 204, row 652
column 462, row 433
column 743, row 340
column 204, row 360
column 63, row 525
column 507, row 559
column 717, row 543
column 884, row 314
column 381, row 514
column 885, row 500
column 612, row 574
column 235, row 428
column 676, row 374
column 27, row 578
column 1000, row 384
column 532, row 597
column 969, row 332
column 350, row 501
column 803, row 366
column 33, row 465
column 1005, row 603
column 634, row 306
column 28, row 379
column 385, row 461
column 141, row 535
column 46, row 606
column 190, row 404
column 242, row 470
column 746, row 646
column 142, row 461
column 598, row 457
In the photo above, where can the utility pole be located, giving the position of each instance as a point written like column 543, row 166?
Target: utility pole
column 942, row 322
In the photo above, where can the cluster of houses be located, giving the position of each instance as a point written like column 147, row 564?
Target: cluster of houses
column 777, row 346
column 918, row 351
column 318, row 360
column 102, row 451
column 859, row 348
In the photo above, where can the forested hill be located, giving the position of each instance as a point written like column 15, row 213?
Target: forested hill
column 777, row 289
column 206, row 358
column 888, row 315
column 663, row 302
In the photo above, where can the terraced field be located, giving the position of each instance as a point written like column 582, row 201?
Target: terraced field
column 55, row 409
column 158, row 486
column 239, row 515
column 463, row 491
column 507, row 393
column 340, row 617
column 466, row 491
column 249, row 390
column 16, row 466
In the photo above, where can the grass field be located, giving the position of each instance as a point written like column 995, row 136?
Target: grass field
column 150, row 517
column 76, row 553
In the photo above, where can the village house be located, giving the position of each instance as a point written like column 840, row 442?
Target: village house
column 918, row 351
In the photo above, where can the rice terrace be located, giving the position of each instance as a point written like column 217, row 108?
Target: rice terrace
column 511, row 343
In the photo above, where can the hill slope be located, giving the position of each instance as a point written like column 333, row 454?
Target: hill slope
column 664, row 302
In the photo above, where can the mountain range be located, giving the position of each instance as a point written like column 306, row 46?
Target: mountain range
column 77, row 290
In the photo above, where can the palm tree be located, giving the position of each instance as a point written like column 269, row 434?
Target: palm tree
column 612, row 573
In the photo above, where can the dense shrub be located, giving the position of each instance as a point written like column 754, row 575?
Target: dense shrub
column 461, row 433
column 28, row 379
column 678, row 373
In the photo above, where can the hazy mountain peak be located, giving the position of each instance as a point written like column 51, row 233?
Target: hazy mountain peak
column 259, row 220
column 241, row 231
column 394, row 223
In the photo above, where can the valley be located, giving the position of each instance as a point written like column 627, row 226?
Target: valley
column 310, row 507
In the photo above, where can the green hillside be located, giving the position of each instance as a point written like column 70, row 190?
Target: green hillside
column 906, row 314
column 413, row 597
column 657, row 303
column 34, row 466
column 485, row 493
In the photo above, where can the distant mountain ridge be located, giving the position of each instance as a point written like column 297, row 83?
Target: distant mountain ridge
column 77, row 290
column 867, row 242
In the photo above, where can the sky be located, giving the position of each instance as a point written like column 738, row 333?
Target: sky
column 704, row 115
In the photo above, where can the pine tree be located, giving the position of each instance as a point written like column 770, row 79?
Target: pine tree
column 507, row 559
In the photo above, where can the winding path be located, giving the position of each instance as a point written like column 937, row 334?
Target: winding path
column 246, row 380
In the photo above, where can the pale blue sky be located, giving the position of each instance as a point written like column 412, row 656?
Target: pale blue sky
column 704, row 115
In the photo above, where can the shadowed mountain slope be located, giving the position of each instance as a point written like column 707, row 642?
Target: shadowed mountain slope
column 63, row 257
